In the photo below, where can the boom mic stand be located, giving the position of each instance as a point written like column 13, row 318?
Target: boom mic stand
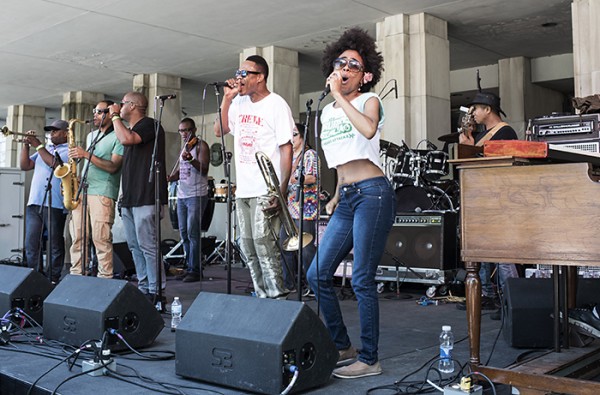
column 227, row 170
column 154, row 174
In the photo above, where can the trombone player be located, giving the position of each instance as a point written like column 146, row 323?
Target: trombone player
column 262, row 121
column 42, row 162
column 105, row 156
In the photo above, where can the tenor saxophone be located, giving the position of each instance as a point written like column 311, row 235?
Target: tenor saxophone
column 67, row 172
column 292, row 243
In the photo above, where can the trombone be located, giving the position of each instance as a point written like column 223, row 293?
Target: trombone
column 6, row 132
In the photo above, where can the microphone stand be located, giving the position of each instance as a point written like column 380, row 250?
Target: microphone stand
column 300, row 198
column 318, row 290
column 48, row 194
column 154, row 175
column 227, row 170
column 83, row 187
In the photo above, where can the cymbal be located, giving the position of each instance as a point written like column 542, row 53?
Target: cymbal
column 449, row 138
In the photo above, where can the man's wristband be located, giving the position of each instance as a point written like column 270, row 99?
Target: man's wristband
column 39, row 147
column 115, row 117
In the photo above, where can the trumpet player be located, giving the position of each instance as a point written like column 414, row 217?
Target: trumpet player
column 262, row 121
column 105, row 155
column 42, row 162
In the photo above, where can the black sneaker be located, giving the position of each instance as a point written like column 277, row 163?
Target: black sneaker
column 586, row 319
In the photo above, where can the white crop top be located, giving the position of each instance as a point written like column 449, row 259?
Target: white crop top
column 340, row 140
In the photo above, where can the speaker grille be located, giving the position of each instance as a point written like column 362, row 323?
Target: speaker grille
column 423, row 240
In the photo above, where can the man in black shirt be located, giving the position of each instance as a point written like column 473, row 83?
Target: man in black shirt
column 138, row 194
column 486, row 111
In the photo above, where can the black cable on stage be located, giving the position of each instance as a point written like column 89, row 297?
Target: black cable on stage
column 32, row 386
column 169, row 354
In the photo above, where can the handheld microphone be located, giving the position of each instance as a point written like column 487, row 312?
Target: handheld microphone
column 325, row 92
column 58, row 159
column 220, row 84
column 166, row 97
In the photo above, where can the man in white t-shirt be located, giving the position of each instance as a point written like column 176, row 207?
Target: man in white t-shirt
column 262, row 121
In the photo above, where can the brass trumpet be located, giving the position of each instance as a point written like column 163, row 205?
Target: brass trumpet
column 6, row 132
column 292, row 243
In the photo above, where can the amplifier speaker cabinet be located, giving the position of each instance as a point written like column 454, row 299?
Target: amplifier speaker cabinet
column 246, row 343
column 423, row 240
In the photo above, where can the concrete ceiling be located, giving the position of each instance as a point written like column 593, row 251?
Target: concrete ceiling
column 49, row 47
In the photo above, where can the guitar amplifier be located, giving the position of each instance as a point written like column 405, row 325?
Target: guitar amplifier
column 423, row 240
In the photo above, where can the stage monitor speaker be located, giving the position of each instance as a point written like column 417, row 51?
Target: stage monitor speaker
column 82, row 308
column 24, row 288
column 247, row 343
column 529, row 305
column 423, row 240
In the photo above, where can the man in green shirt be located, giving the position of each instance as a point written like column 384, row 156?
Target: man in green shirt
column 105, row 155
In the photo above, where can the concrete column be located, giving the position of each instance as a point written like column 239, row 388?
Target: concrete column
column 520, row 98
column 416, row 53
column 19, row 119
column 393, row 40
column 586, row 46
column 79, row 105
column 284, row 73
column 430, row 77
column 152, row 85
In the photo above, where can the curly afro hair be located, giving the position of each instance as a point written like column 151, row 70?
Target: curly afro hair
column 358, row 40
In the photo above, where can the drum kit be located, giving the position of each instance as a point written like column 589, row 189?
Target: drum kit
column 419, row 178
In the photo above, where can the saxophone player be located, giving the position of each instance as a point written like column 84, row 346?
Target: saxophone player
column 42, row 162
column 105, row 155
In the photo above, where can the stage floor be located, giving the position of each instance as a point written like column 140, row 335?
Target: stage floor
column 408, row 340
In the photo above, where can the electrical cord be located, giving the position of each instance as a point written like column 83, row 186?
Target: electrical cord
column 169, row 354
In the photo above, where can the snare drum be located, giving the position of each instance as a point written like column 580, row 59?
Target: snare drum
column 404, row 167
column 436, row 165
column 221, row 192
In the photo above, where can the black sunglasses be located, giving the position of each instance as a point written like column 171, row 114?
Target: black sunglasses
column 244, row 73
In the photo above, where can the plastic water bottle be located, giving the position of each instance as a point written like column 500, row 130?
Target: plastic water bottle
column 175, row 313
column 446, row 364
